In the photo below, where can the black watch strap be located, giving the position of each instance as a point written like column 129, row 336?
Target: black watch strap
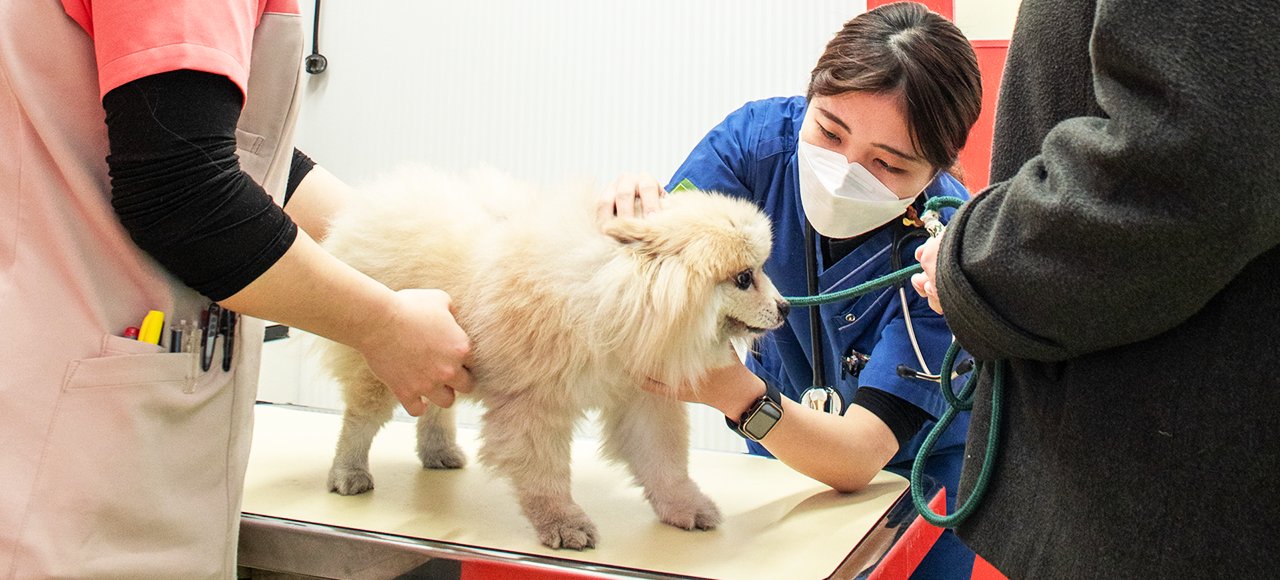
column 764, row 413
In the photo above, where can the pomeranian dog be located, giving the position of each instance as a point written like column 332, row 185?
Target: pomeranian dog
column 563, row 319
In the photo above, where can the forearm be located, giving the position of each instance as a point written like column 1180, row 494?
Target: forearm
column 308, row 288
column 309, row 270
column 842, row 451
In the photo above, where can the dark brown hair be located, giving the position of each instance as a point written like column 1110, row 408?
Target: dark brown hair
column 903, row 47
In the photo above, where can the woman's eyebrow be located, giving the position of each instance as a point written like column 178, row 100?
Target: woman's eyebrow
column 834, row 119
column 911, row 158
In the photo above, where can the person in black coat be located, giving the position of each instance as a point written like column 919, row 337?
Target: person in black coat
column 1125, row 264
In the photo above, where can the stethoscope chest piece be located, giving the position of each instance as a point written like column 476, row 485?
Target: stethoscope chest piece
column 315, row 63
column 825, row 399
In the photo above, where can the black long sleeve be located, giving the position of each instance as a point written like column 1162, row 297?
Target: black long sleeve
column 298, row 169
column 177, row 187
column 1139, row 174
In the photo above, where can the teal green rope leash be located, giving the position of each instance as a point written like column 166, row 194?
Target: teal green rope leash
column 859, row 290
column 956, row 403
column 933, row 206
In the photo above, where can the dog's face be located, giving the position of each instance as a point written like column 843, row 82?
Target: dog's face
column 704, row 254
column 750, row 305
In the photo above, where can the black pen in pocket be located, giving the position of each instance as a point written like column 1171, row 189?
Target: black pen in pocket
column 175, row 335
column 229, row 320
column 209, row 335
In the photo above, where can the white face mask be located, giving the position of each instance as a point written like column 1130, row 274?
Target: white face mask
column 843, row 199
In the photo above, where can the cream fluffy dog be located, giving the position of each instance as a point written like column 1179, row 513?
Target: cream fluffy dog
column 563, row 319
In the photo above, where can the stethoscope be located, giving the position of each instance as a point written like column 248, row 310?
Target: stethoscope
column 315, row 63
column 821, row 396
column 824, row 398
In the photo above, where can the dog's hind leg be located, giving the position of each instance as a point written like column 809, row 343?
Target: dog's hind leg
column 650, row 434
column 438, row 439
column 369, row 405
column 530, row 443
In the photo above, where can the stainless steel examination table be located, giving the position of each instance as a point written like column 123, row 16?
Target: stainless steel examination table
column 466, row 524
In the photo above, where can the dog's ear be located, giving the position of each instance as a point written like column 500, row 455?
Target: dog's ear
column 659, row 236
column 630, row 231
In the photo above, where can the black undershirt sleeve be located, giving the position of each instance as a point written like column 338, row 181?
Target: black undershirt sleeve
column 903, row 418
column 298, row 169
column 177, row 187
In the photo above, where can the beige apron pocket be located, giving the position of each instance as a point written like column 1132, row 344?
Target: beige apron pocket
column 134, row 478
column 113, row 345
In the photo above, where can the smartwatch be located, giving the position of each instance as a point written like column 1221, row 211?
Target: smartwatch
column 761, row 417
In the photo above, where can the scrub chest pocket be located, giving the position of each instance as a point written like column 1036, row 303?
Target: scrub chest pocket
column 845, row 326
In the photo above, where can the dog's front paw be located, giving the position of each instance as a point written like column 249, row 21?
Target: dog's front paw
column 577, row 533
column 692, row 510
column 350, row 481
column 447, row 457
column 561, row 525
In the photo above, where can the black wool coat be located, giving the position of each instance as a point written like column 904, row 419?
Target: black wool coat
column 1125, row 262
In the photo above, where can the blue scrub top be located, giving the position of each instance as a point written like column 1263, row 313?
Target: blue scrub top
column 752, row 154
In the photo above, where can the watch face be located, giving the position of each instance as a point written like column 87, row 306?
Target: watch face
column 762, row 420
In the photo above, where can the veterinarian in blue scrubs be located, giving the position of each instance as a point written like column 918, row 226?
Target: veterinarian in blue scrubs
column 890, row 105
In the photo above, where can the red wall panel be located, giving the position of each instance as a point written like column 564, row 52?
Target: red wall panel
column 975, row 158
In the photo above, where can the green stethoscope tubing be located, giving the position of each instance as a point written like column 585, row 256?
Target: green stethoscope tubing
column 956, row 402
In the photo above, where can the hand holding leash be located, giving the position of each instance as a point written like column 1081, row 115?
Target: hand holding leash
column 927, row 256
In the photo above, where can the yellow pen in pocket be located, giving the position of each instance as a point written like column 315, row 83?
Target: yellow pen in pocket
column 152, row 326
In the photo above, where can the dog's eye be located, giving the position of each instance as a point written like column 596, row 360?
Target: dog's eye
column 743, row 280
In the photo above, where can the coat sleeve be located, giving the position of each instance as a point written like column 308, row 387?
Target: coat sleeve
column 1126, row 224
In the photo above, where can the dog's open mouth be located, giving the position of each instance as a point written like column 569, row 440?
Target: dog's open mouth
column 740, row 326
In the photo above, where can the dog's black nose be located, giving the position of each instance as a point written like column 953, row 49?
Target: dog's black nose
column 784, row 308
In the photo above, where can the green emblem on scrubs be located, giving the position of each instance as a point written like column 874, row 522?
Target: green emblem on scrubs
column 684, row 185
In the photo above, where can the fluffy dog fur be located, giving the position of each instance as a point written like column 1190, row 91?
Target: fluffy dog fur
column 563, row 319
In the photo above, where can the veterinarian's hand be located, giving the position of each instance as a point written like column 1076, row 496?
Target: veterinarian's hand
column 421, row 351
column 730, row 389
column 619, row 198
column 927, row 255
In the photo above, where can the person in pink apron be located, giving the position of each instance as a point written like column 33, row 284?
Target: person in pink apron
column 146, row 147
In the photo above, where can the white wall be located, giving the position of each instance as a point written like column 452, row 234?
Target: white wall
column 986, row 19
column 547, row 90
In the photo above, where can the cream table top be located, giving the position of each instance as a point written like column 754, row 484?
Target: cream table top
column 778, row 523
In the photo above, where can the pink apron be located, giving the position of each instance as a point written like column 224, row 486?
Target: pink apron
column 109, row 467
